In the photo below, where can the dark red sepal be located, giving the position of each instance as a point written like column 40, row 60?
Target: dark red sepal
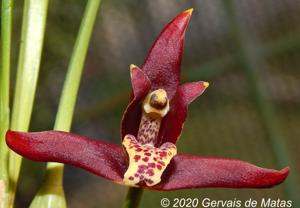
column 101, row 158
column 162, row 65
column 187, row 171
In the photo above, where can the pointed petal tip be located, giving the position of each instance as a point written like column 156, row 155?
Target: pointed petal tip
column 189, row 11
column 285, row 172
column 286, row 169
column 278, row 177
column 132, row 67
column 282, row 174
column 205, row 84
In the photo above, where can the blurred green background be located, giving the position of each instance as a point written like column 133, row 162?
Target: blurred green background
column 249, row 51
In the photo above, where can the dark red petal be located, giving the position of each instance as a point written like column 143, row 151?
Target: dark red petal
column 140, row 82
column 173, row 123
column 101, row 158
column 132, row 115
column 162, row 64
column 190, row 91
column 186, row 172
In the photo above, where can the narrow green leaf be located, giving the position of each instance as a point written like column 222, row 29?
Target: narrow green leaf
column 6, row 19
column 33, row 28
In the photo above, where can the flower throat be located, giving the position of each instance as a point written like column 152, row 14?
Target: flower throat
column 154, row 108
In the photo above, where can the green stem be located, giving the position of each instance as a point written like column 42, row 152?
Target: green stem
column 33, row 28
column 133, row 198
column 54, row 173
column 6, row 22
column 251, row 63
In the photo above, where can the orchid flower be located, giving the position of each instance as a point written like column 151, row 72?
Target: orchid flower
column 150, row 128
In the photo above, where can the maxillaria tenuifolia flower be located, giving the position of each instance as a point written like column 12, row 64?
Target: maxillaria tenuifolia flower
column 150, row 127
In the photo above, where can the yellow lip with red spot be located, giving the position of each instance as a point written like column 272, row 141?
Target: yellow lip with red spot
column 146, row 163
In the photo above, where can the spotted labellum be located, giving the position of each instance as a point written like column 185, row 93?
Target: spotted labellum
column 150, row 128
